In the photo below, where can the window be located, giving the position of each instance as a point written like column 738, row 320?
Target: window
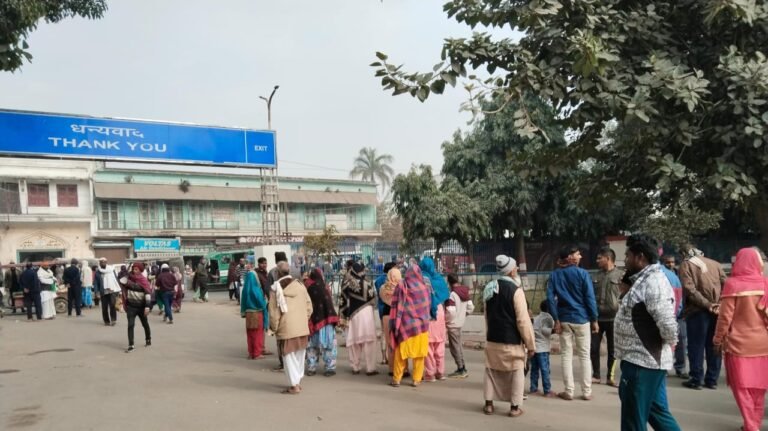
column 199, row 215
column 9, row 198
column 174, row 215
column 251, row 211
column 37, row 195
column 66, row 195
column 148, row 215
column 109, row 216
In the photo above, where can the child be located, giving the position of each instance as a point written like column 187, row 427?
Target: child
column 542, row 329
column 458, row 305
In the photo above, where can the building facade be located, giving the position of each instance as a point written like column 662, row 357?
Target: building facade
column 66, row 208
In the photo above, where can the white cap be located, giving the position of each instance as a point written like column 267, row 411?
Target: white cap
column 165, row 266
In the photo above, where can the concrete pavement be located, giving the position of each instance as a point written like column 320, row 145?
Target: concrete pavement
column 72, row 374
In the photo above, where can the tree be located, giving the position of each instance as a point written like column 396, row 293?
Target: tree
column 686, row 81
column 438, row 212
column 676, row 226
column 391, row 227
column 373, row 167
column 325, row 244
column 20, row 17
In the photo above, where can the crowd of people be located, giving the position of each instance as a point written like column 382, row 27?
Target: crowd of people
column 652, row 315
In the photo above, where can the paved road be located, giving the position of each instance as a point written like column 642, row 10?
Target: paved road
column 72, row 374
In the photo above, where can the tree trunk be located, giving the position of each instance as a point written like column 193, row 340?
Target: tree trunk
column 761, row 219
column 521, row 261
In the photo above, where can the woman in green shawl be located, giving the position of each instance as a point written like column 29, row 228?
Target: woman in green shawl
column 253, row 307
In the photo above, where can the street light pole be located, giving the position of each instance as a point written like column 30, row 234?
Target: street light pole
column 269, row 106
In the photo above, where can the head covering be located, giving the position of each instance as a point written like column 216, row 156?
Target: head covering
column 747, row 277
column 358, row 268
column 323, row 311
column 139, row 278
column 165, row 266
column 410, row 306
column 440, row 291
column 394, row 276
column 505, row 264
column 280, row 257
column 102, row 259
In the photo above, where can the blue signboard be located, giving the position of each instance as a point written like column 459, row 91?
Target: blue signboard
column 28, row 133
column 156, row 245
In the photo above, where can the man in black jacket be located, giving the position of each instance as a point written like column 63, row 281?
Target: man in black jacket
column 31, row 285
column 74, row 281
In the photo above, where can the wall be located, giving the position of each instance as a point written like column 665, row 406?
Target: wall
column 73, row 238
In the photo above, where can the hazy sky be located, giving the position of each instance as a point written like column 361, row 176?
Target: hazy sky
column 190, row 61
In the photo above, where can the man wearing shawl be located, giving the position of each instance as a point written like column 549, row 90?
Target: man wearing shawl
column 742, row 333
column 322, row 325
column 253, row 307
column 702, row 280
column 383, row 304
column 109, row 288
column 409, row 324
column 358, row 297
column 509, row 338
column 435, row 364
column 289, row 311
column 137, row 298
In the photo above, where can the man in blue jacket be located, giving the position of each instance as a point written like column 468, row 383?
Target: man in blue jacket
column 574, row 309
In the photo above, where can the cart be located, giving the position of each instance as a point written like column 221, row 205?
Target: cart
column 60, row 302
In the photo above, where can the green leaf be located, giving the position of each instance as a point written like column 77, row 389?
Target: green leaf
column 381, row 56
column 642, row 115
column 422, row 93
column 449, row 78
column 375, row 64
column 437, row 86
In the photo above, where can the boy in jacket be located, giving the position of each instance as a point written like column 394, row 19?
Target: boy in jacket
column 458, row 306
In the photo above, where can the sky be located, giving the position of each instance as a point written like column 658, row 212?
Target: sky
column 189, row 61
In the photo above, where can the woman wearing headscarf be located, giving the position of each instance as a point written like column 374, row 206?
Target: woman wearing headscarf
column 137, row 297
column 253, row 307
column 409, row 323
column 179, row 290
column 742, row 333
column 322, row 325
column 435, row 364
column 386, row 351
column 358, row 297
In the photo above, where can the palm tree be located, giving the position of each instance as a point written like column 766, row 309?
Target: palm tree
column 373, row 167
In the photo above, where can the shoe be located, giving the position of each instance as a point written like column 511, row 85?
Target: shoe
column 595, row 380
column 586, row 397
column 488, row 409
column 329, row 373
column 311, row 373
column 130, row 349
column 278, row 369
column 148, row 343
column 682, row 375
column 565, row 396
column 107, row 324
column 170, row 322
column 355, row 372
column 612, row 383
column 713, row 387
column 113, row 324
column 429, row 380
column 692, row 385
column 549, row 394
column 459, row 374
column 394, row 384
column 439, row 377
column 372, row 373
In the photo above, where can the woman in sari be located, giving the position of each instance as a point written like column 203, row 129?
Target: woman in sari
column 742, row 333
column 409, row 324
column 322, row 325
column 358, row 297
column 253, row 307
column 176, row 305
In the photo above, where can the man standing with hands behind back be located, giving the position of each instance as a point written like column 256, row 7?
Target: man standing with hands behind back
column 606, row 284
column 573, row 307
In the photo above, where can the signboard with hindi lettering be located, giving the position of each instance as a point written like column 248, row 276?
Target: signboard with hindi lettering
column 73, row 136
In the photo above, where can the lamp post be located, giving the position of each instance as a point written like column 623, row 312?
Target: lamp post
column 269, row 106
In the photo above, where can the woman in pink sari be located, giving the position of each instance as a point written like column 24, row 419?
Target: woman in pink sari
column 742, row 333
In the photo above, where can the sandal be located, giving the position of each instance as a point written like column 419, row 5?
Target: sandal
column 513, row 413
column 488, row 409
column 416, row 384
column 291, row 391
column 394, row 384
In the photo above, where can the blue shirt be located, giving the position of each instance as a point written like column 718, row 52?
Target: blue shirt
column 571, row 296
column 377, row 284
column 677, row 288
